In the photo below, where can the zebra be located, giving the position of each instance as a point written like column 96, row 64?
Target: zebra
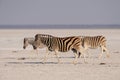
column 31, row 41
column 93, row 42
column 28, row 41
column 61, row 44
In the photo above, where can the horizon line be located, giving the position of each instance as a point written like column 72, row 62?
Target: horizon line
column 62, row 24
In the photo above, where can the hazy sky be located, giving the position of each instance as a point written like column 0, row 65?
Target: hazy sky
column 24, row 12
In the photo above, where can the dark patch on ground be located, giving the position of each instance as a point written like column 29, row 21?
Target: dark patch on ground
column 102, row 64
column 23, row 58
column 116, row 52
column 14, row 51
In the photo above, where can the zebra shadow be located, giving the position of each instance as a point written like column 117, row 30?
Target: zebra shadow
column 41, row 63
column 66, row 57
column 32, row 63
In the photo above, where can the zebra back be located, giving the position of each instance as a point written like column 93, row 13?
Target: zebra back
column 62, row 44
column 94, row 42
column 67, row 43
column 44, row 39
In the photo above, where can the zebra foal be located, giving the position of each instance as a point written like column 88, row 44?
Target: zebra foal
column 62, row 44
column 93, row 42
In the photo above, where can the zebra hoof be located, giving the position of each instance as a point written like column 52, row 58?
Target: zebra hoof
column 74, row 62
column 108, row 56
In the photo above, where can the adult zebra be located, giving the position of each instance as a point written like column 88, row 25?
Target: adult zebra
column 62, row 44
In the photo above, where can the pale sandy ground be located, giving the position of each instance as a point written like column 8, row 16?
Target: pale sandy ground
column 19, row 64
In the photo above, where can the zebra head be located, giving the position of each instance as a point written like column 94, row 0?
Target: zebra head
column 25, row 43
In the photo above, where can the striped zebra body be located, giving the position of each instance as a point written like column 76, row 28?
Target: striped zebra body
column 62, row 44
column 57, row 43
column 65, row 44
column 45, row 40
column 95, row 42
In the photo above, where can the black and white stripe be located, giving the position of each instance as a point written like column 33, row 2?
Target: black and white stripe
column 62, row 44
column 95, row 42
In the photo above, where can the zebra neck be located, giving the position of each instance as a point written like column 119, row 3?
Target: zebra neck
column 46, row 41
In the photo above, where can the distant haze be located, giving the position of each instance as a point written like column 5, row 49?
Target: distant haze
column 76, row 12
column 59, row 26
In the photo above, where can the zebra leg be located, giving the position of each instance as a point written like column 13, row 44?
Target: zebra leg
column 82, row 50
column 35, row 49
column 57, row 56
column 75, row 60
column 47, row 51
column 88, row 54
column 84, row 56
column 101, row 53
column 85, row 61
column 46, row 55
column 79, row 54
column 75, row 51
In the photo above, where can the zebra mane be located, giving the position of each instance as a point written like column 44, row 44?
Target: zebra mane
column 43, row 36
column 91, row 36
column 46, row 35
